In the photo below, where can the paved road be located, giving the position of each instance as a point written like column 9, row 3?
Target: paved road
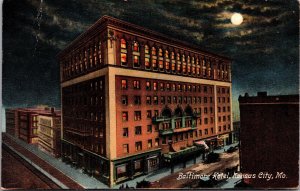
column 227, row 161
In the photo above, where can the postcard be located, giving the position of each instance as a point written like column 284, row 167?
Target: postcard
column 167, row 94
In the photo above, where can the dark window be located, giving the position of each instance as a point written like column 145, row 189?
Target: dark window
column 155, row 100
column 136, row 84
column 125, row 132
column 162, row 100
column 149, row 114
column 174, row 99
column 148, row 100
column 124, row 100
column 149, row 128
column 137, row 115
column 137, row 100
column 205, row 120
column 169, row 99
column 162, row 86
column 138, row 130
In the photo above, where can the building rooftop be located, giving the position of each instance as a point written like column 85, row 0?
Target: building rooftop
column 111, row 21
column 263, row 97
column 39, row 110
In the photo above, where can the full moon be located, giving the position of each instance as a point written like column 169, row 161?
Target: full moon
column 237, row 19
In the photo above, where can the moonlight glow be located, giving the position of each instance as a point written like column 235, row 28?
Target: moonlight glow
column 237, row 19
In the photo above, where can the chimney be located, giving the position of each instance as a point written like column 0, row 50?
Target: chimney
column 52, row 109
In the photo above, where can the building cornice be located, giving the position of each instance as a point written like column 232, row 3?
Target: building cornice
column 107, row 21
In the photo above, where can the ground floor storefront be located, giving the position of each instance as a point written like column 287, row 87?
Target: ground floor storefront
column 90, row 163
column 133, row 166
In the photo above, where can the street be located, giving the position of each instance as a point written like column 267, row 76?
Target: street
column 228, row 160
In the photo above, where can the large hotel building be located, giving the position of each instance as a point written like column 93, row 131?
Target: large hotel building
column 134, row 99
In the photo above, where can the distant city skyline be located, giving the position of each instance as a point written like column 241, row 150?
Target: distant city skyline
column 264, row 47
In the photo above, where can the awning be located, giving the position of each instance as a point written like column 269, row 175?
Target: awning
column 201, row 143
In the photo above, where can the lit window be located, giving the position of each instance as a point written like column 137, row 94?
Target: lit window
column 123, row 59
column 124, row 84
column 167, row 66
column 155, row 100
column 153, row 51
column 136, row 47
column 147, row 49
column 148, row 85
column 156, row 142
column 166, row 54
column 136, row 61
column 123, row 43
column 125, row 149
column 148, row 100
column 125, row 116
column 149, row 143
column 137, row 115
column 138, row 146
column 160, row 52
column 161, row 86
column 154, row 86
column 161, row 64
column 136, row 84
column 123, row 52
column 154, row 64
column 147, row 63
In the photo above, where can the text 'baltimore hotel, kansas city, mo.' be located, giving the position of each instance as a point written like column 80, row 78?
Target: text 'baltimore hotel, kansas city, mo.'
column 134, row 100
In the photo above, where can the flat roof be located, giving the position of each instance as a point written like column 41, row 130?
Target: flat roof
column 136, row 29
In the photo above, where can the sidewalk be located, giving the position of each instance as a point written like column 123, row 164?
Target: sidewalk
column 71, row 177
column 163, row 172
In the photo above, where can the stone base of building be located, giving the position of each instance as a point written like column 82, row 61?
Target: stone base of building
column 110, row 172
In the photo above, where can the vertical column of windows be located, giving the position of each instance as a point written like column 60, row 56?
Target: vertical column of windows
column 173, row 62
column 189, row 69
column 204, row 73
column 154, row 58
column 178, row 63
column 136, row 55
column 193, row 66
column 160, row 59
column 167, row 61
column 183, row 64
column 147, row 58
column 123, row 52
column 99, row 53
column 91, row 56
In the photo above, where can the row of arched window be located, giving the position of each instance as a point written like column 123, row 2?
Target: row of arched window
column 158, row 59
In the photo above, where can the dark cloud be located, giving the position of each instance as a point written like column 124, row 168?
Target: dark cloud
column 264, row 48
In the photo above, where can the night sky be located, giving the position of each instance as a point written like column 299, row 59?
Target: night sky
column 264, row 48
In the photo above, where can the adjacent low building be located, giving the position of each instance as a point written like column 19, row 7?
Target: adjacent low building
column 12, row 122
column 269, row 140
column 49, row 125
